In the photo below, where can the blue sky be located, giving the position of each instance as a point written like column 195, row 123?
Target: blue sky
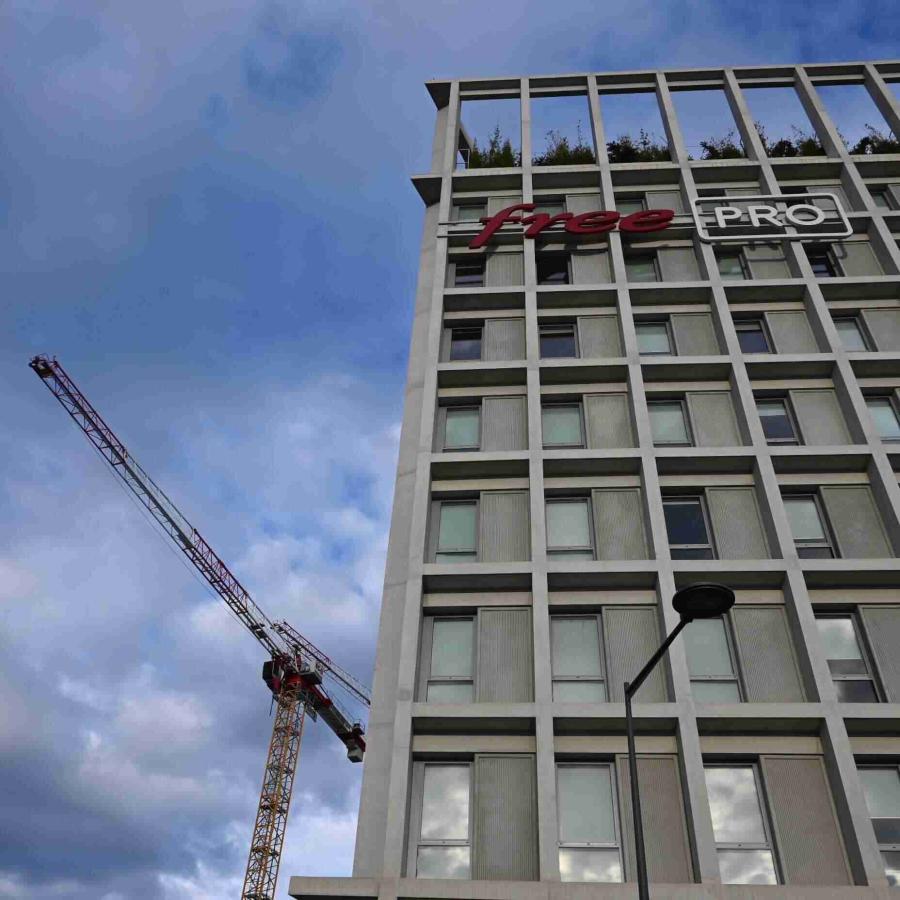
column 206, row 215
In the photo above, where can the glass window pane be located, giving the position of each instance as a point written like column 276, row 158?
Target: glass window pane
column 450, row 693
column 470, row 212
column 653, row 337
column 839, row 638
column 445, row 803
column 451, row 648
column 579, row 691
column 442, row 862
column 803, row 515
column 815, row 553
column 880, row 196
column 752, row 339
column 629, row 205
column 706, row 646
column 848, row 667
column 851, row 336
column 465, row 343
column 715, row 692
column 691, row 553
column 684, row 522
column 667, row 423
column 585, row 800
column 589, row 865
column 561, row 425
column 882, row 790
column 734, row 805
column 892, row 866
column 568, row 524
column 855, row 691
column 457, row 527
column 552, row 269
column 884, row 417
column 575, row 646
column 887, row 831
column 747, row 867
column 469, row 274
column 730, row 265
column 640, row 268
column 557, row 343
column 463, row 428
column 776, row 423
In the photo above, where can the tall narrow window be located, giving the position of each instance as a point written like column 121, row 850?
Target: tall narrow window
column 569, row 528
column 444, row 833
column 808, row 527
column 631, row 204
column 469, row 212
column 469, row 273
column 752, row 337
column 852, row 336
column 731, row 265
column 561, row 425
column 463, row 428
column 882, row 197
column 687, row 529
column 711, row 662
column 457, row 532
column 552, row 268
column 777, row 424
column 641, row 267
column 668, row 423
column 589, row 843
column 450, row 678
column 740, row 825
column 821, row 262
column 653, row 338
column 557, row 341
column 881, row 785
column 884, row 415
column 465, row 343
column 846, row 660
column 577, row 659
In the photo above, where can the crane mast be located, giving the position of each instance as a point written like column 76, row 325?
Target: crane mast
column 294, row 671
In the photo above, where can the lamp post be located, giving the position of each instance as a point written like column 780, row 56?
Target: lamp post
column 697, row 601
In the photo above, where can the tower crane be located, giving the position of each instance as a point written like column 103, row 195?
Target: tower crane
column 297, row 673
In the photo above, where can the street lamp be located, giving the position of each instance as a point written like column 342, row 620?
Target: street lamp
column 696, row 601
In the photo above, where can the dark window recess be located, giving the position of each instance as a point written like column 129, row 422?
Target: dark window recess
column 469, row 274
column 751, row 334
column 822, row 263
column 465, row 343
column 687, row 529
column 558, row 341
column 552, row 269
column 777, row 424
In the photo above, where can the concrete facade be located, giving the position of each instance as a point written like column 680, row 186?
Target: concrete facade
column 788, row 713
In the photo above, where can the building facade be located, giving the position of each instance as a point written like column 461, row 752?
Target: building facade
column 594, row 419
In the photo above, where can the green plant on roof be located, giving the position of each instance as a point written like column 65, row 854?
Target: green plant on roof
column 647, row 148
column 801, row 143
column 875, row 142
column 560, row 153
column 498, row 154
column 725, row 147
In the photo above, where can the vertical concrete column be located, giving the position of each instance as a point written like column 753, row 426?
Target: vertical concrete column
column 882, row 96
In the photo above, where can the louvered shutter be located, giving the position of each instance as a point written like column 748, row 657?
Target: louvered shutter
column 598, row 337
column 495, row 204
column 504, row 423
column 712, row 419
column 857, row 258
column 504, row 340
column 678, row 264
column 819, row 416
column 619, row 523
column 505, row 532
column 766, row 261
column 791, row 332
column 884, row 327
column 608, row 421
column 883, row 630
column 583, row 203
column 736, row 523
column 694, row 334
column 505, row 671
column 855, row 521
column 632, row 637
column 768, row 664
column 590, row 267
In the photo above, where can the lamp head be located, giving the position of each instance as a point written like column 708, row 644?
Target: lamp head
column 705, row 600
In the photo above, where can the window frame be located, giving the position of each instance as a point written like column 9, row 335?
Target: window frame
column 469, row 842
column 746, row 274
column 472, row 328
column 545, row 327
column 731, row 645
column 707, row 523
column 461, row 501
column 862, row 642
column 578, row 406
column 542, row 256
column 650, row 255
column 861, row 330
column 666, row 322
column 830, row 259
column 558, row 553
column 686, row 418
column 760, row 321
column 785, row 400
column 883, row 191
column 549, row 206
column 464, row 261
column 639, row 197
column 892, row 403
column 451, row 679
column 882, row 847
column 828, row 542
column 602, row 679
column 468, row 204
column 467, row 407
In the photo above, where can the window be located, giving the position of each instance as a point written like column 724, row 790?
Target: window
column 557, row 341
column 549, row 207
column 843, row 649
column 687, row 529
column 465, row 343
column 633, row 204
column 457, row 532
column 881, row 785
column 444, row 844
column 552, row 268
column 711, row 662
column 469, row 212
column 852, row 336
column 751, row 335
column 740, row 825
column 469, row 273
column 807, row 526
column 732, row 266
column 884, row 415
column 822, row 262
column 653, row 338
column 777, row 423
column 450, row 677
column 668, row 423
column 569, row 528
column 463, row 429
column 577, row 659
column 561, row 425
column 641, row 268
column 882, row 197
column 589, row 843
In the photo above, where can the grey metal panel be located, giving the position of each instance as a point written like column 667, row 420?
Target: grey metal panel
column 768, row 664
column 807, row 832
column 504, row 339
column 504, row 269
column 446, row 337
column 678, row 264
column 736, row 523
column 894, row 190
column 632, row 637
column 883, row 630
column 451, row 275
column 434, row 527
column 440, row 428
column 694, row 334
column 598, row 337
column 884, row 327
column 504, row 423
column 662, row 814
column 582, row 203
column 495, row 204
column 791, row 332
column 608, row 421
column 504, row 528
column 855, row 521
column 505, row 833
column 619, row 523
column 665, row 200
column 857, row 258
column 590, row 267
column 712, row 419
column 820, row 418
column 424, row 670
column 835, row 189
column 505, row 663
column 766, row 261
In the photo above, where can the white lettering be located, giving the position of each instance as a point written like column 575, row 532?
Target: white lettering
column 760, row 214
column 725, row 213
column 797, row 215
